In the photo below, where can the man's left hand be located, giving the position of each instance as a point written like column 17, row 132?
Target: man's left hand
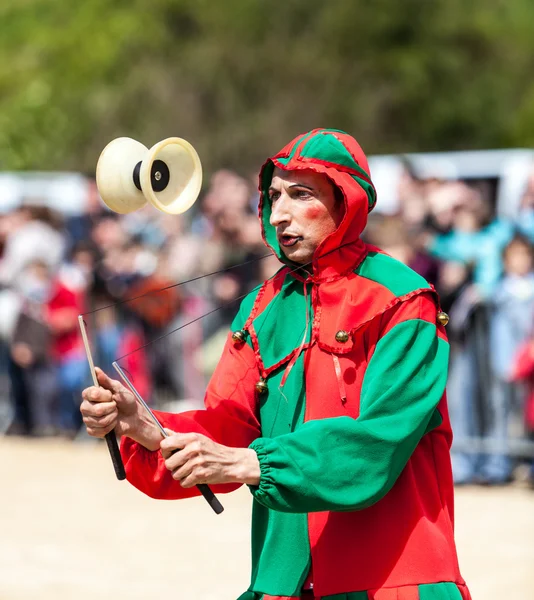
column 194, row 458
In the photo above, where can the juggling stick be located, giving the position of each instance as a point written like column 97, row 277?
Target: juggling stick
column 110, row 437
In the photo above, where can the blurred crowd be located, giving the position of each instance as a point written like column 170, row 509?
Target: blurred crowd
column 483, row 269
column 54, row 268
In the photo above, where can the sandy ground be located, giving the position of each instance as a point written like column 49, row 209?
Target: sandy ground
column 70, row 530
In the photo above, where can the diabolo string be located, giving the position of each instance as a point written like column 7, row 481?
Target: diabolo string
column 226, row 304
column 173, row 285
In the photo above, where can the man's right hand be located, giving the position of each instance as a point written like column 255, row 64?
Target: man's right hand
column 112, row 406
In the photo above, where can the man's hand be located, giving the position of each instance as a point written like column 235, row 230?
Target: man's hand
column 194, row 458
column 113, row 407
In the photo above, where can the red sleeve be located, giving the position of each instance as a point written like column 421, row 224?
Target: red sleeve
column 230, row 418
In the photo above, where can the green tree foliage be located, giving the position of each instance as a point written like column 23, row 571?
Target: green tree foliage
column 239, row 78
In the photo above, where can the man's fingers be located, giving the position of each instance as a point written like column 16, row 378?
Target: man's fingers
column 176, row 458
column 97, row 410
column 167, row 453
column 99, row 432
column 182, row 472
column 96, row 394
column 188, row 482
column 194, row 478
column 177, row 441
column 106, row 382
column 101, row 422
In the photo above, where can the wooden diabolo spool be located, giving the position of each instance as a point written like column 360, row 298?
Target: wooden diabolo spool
column 168, row 176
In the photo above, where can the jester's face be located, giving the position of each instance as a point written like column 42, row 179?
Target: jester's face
column 304, row 211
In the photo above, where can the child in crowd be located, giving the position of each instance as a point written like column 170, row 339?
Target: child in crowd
column 510, row 327
column 481, row 391
column 522, row 360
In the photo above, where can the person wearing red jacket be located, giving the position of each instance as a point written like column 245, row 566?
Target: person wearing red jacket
column 328, row 402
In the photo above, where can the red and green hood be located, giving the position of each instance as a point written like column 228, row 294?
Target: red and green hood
column 338, row 156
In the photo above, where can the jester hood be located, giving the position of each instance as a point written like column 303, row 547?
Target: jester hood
column 338, row 156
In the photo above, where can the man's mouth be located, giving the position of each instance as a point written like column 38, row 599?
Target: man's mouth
column 288, row 240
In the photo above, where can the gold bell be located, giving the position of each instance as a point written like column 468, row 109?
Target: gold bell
column 261, row 386
column 342, row 336
column 238, row 336
column 443, row 318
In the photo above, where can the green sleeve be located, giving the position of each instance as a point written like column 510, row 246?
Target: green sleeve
column 345, row 464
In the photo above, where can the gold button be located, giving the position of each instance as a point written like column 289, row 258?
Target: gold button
column 261, row 386
column 238, row 336
column 342, row 336
column 443, row 318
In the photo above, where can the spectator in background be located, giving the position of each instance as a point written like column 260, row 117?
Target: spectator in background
column 487, row 418
column 510, row 326
column 117, row 334
column 523, row 373
column 65, row 303
column 525, row 216
column 392, row 235
column 227, row 189
column 474, row 238
column 35, row 233
column 77, row 273
column 413, row 208
column 153, row 312
column 31, row 369
column 183, row 249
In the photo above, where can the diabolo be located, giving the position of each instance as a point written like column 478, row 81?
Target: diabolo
column 168, row 176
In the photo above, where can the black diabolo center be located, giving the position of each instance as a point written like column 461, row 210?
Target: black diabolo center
column 159, row 176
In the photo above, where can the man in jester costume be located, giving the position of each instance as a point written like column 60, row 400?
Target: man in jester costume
column 328, row 402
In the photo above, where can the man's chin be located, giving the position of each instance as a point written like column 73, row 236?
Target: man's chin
column 297, row 255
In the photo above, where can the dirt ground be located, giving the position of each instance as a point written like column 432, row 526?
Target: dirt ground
column 70, row 530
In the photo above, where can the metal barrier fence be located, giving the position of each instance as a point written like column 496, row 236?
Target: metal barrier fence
column 487, row 412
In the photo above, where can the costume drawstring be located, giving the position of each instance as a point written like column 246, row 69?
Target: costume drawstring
column 297, row 353
column 339, row 377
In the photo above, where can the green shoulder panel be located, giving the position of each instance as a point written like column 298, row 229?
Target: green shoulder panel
column 283, row 323
column 245, row 309
column 439, row 591
column 391, row 273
